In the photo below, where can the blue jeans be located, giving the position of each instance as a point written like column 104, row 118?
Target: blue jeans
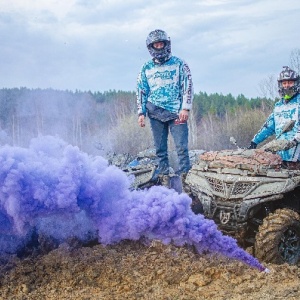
column 179, row 132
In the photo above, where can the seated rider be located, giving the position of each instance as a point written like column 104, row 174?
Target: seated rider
column 285, row 110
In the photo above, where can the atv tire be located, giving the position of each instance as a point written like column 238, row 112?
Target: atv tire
column 278, row 238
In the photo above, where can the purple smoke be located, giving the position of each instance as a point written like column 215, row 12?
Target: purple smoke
column 63, row 192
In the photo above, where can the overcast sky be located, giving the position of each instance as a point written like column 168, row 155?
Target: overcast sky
column 98, row 45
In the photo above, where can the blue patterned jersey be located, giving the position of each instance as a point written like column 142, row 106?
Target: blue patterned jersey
column 168, row 85
column 283, row 112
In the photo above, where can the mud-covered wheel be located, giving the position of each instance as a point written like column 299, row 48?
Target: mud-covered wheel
column 278, row 238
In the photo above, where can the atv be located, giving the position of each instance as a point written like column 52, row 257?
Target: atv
column 144, row 170
column 249, row 193
column 253, row 197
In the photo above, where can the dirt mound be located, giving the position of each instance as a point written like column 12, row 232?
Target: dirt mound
column 132, row 270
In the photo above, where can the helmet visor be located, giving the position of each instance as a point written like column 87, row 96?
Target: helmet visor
column 158, row 45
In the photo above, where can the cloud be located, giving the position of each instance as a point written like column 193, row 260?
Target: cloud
column 90, row 45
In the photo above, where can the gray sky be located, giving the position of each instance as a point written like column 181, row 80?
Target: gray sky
column 98, row 45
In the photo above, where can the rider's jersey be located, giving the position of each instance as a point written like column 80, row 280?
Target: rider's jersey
column 283, row 112
column 168, row 85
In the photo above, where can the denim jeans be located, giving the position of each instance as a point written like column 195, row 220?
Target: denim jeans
column 179, row 132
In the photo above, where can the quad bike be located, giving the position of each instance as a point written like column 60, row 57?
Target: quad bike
column 252, row 196
column 144, row 170
column 249, row 194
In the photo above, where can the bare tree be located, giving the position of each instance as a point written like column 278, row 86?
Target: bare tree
column 268, row 87
column 193, row 130
column 295, row 60
column 127, row 137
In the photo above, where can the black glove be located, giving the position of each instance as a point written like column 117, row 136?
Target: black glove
column 252, row 145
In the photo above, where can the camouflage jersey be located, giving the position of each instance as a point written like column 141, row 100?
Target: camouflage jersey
column 283, row 112
column 168, row 85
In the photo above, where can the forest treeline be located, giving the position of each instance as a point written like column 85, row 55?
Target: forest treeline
column 101, row 122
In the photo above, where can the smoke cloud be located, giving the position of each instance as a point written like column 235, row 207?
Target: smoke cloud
column 58, row 190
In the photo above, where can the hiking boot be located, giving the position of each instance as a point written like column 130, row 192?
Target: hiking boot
column 183, row 177
column 164, row 180
column 185, row 186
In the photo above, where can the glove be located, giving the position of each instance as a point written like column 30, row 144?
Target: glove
column 290, row 144
column 252, row 145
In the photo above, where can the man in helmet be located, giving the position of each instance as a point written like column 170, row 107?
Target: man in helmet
column 286, row 109
column 165, row 94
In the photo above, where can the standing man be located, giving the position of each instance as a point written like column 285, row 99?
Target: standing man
column 165, row 94
column 285, row 110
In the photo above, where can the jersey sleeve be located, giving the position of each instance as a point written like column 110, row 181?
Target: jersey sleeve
column 142, row 92
column 187, row 88
column 266, row 130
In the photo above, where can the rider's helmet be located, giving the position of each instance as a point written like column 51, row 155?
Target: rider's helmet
column 164, row 53
column 288, row 74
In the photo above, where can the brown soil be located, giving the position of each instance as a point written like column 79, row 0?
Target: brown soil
column 132, row 270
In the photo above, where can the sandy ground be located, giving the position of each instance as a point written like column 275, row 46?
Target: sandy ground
column 134, row 270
